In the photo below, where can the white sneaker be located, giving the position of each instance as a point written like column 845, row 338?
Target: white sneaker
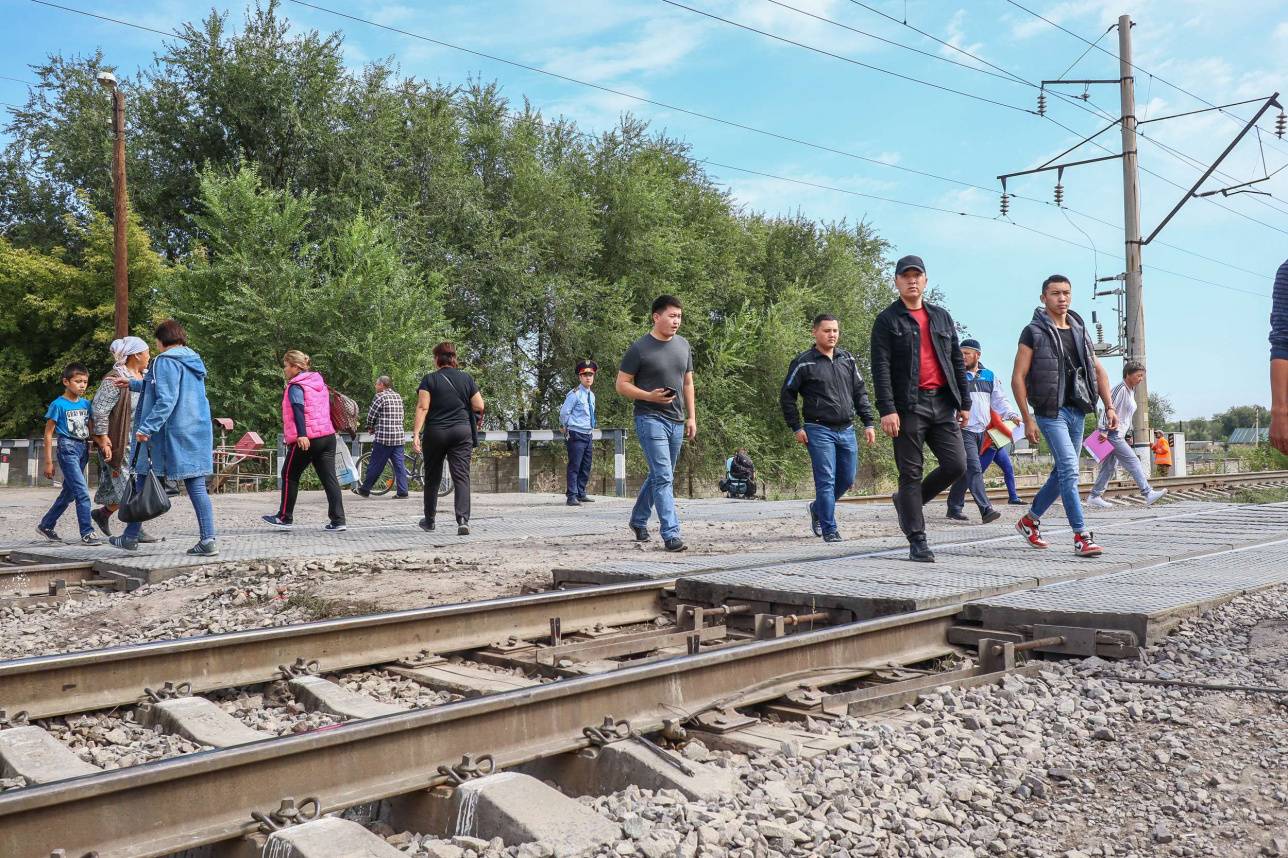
column 1097, row 502
column 1154, row 495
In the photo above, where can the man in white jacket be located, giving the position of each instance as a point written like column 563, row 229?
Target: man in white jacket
column 986, row 396
column 1124, row 399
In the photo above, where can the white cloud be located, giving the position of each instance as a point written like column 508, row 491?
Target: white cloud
column 660, row 44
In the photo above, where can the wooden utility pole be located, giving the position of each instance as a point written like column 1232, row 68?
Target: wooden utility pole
column 120, row 255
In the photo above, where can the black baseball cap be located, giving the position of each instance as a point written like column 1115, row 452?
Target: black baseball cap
column 909, row 262
column 971, row 343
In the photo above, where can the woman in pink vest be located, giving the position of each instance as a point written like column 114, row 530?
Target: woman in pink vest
column 310, row 440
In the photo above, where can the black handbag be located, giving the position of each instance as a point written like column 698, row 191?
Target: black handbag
column 143, row 503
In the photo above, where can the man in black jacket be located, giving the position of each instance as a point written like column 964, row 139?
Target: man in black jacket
column 921, row 391
column 829, row 381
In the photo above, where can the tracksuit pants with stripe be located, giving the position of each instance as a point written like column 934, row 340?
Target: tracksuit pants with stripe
column 321, row 455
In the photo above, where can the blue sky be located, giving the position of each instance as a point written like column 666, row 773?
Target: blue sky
column 1206, row 340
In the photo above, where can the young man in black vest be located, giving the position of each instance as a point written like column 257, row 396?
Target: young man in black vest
column 1057, row 375
column 921, row 392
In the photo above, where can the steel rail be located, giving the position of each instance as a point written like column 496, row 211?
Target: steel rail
column 1202, row 481
column 41, row 575
column 167, row 806
column 102, row 678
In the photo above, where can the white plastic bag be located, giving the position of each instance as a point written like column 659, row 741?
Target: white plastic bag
column 346, row 470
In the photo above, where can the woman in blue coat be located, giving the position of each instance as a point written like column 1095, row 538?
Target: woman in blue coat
column 172, row 427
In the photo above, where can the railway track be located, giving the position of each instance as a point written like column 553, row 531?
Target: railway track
column 29, row 583
column 1211, row 487
column 132, row 812
column 526, row 676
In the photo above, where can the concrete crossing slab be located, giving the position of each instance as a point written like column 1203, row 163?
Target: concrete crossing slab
column 1147, row 602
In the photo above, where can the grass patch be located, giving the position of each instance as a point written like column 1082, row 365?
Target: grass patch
column 317, row 607
column 1261, row 495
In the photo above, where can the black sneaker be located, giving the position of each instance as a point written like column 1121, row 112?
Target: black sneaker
column 641, row 533
column 102, row 517
column 991, row 515
column 585, row 499
column 426, row 525
column 49, row 533
column 919, row 552
column 1017, row 501
column 333, row 527
column 124, row 544
column 401, row 497
column 573, row 502
column 462, row 529
column 365, row 493
column 144, row 536
column 675, row 543
column 955, row 515
column 814, row 523
column 275, row 521
column 205, row 548
column 90, row 539
column 832, row 537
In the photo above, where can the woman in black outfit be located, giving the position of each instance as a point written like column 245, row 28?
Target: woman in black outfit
column 447, row 402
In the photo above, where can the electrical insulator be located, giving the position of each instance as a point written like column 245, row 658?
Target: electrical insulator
column 1281, row 125
column 1006, row 204
column 1059, row 195
column 1041, row 102
column 1100, row 332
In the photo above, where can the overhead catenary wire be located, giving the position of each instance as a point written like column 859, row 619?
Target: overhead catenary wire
column 171, row 34
column 1232, row 116
column 843, row 58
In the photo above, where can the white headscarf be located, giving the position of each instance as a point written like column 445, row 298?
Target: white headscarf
column 126, row 346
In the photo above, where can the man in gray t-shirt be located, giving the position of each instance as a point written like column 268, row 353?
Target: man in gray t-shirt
column 657, row 372
column 659, row 365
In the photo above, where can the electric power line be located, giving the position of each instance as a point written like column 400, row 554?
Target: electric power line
column 1232, row 116
column 893, row 43
column 17, row 80
column 1093, row 108
column 891, row 200
column 841, row 57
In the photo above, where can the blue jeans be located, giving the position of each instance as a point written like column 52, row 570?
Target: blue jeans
column 382, row 454
column 201, row 505
column 580, row 456
column 834, row 456
column 661, row 440
column 1063, row 435
column 973, row 479
column 1002, row 458
column 73, row 456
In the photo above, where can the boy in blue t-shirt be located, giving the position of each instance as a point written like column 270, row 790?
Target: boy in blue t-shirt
column 68, row 416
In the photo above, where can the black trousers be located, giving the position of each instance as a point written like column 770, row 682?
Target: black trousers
column 933, row 422
column 456, row 445
column 321, row 455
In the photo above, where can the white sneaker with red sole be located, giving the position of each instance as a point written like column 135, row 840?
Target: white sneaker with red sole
column 1030, row 528
column 1084, row 545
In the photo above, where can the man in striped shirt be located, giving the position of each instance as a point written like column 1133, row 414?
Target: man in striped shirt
column 385, row 422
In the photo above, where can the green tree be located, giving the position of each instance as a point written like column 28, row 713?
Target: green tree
column 59, row 307
column 265, row 282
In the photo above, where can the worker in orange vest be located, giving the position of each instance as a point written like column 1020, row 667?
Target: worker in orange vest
column 1162, row 453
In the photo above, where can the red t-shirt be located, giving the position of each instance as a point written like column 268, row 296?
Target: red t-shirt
column 932, row 377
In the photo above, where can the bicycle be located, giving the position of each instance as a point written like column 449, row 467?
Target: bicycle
column 415, row 476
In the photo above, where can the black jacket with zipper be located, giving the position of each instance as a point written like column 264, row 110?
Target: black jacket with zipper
column 1045, row 381
column 896, row 357
column 832, row 388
